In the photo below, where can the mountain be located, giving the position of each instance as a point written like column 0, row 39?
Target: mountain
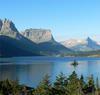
column 82, row 45
column 38, row 35
column 32, row 42
column 12, row 43
column 45, row 40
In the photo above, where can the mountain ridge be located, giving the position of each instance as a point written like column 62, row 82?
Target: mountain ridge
column 19, row 45
column 38, row 35
column 82, row 45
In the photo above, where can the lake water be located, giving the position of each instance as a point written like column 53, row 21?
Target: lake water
column 30, row 70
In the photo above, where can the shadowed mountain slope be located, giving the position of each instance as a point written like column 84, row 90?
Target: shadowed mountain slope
column 45, row 40
column 12, row 43
column 36, row 42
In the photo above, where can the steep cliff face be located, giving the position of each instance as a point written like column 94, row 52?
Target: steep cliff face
column 38, row 35
column 8, row 28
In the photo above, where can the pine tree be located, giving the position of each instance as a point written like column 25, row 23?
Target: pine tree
column 81, row 85
column 91, row 86
column 97, row 87
column 73, row 84
column 15, row 86
column 44, row 87
column 59, row 84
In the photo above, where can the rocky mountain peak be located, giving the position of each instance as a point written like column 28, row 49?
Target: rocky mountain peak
column 7, row 26
column 88, row 39
column 38, row 35
column 5, row 21
column 82, row 45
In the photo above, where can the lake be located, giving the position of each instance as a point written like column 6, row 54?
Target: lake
column 30, row 70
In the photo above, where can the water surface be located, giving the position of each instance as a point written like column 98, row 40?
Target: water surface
column 30, row 70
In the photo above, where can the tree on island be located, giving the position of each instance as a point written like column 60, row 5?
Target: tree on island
column 74, row 63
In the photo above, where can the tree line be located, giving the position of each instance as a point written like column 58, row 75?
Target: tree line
column 71, row 85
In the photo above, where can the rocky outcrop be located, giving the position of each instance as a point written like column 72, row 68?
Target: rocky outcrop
column 38, row 35
column 8, row 28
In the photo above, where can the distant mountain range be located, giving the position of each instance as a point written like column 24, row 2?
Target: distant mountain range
column 82, row 45
column 31, row 42
column 35, row 42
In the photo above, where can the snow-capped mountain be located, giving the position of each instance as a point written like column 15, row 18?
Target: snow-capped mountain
column 82, row 45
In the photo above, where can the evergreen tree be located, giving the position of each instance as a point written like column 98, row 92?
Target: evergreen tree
column 82, row 80
column 44, row 87
column 59, row 85
column 81, row 85
column 97, row 84
column 1, row 92
column 73, row 84
column 16, row 89
column 91, row 86
column 80, row 89
column 97, row 87
column 62, row 86
column 6, row 87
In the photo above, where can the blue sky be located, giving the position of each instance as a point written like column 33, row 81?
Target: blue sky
column 67, row 19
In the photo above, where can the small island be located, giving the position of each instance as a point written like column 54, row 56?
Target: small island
column 74, row 63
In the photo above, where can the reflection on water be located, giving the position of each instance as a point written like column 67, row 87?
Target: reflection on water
column 29, row 74
column 32, row 69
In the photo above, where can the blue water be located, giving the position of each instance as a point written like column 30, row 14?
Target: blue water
column 30, row 70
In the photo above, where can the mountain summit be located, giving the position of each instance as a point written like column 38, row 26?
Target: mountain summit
column 82, row 45
column 88, row 38
column 38, row 35
column 7, row 26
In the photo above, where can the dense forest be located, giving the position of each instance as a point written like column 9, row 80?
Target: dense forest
column 63, row 85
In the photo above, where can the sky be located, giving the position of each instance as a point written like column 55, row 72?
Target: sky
column 67, row 19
